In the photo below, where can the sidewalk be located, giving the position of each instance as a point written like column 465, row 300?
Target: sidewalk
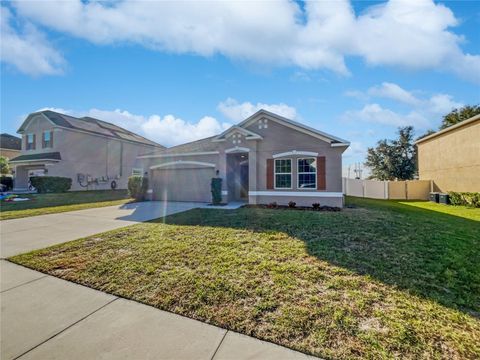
column 44, row 317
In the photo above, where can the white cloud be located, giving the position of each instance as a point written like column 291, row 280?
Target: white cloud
column 167, row 130
column 411, row 34
column 442, row 104
column 377, row 114
column 423, row 111
column 27, row 50
column 394, row 92
column 236, row 111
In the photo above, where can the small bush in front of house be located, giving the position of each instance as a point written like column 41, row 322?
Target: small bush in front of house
column 7, row 181
column 470, row 199
column 137, row 187
column 216, row 190
column 316, row 206
column 51, row 184
column 272, row 205
column 292, row 204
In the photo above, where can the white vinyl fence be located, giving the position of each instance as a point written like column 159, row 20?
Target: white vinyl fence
column 375, row 189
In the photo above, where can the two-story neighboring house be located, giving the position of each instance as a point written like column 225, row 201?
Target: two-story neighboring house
column 95, row 154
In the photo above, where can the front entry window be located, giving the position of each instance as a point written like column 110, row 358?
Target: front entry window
column 307, row 173
column 283, row 174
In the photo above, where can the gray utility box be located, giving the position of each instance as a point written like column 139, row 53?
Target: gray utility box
column 434, row 196
column 443, row 199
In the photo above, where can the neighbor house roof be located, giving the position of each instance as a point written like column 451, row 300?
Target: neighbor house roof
column 450, row 128
column 53, row 156
column 10, row 142
column 90, row 125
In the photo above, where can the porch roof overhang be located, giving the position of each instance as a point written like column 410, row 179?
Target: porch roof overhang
column 37, row 158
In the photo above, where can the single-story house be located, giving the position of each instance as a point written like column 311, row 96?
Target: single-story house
column 10, row 146
column 451, row 157
column 265, row 158
column 95, row 154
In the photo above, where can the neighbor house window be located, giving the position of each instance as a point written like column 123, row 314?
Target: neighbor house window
column 283, row 174
column 30, row 141
column 137, row 172
column 307, row 173
column 47, row 139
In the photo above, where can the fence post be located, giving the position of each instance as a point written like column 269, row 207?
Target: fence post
column 406, row 189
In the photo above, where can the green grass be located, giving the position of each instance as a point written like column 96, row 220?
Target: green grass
column 42, row 204
column 382, row 280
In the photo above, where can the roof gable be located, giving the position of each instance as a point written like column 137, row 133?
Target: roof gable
column 260, row 114
column 249, row 135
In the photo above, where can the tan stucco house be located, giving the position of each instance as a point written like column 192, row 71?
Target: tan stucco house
column 95, row 154
column 266, row 158
column 451, row 157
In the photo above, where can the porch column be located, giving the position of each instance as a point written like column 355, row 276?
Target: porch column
column 252, row 171
column 222, row 168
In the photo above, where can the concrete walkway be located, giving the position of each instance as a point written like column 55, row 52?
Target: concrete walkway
column 44, row 317
column 37, row 232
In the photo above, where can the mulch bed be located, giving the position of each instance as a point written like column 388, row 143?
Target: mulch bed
column 300, row 208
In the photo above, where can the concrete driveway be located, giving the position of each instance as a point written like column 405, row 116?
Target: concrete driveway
column 31, row 233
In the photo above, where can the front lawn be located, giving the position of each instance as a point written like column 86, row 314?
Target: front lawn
column 41, row 204
column 382, row 280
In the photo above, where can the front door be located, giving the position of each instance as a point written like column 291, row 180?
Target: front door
column 244, row 181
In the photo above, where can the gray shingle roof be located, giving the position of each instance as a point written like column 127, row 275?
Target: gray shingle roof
column 41, row 156
column 11, row 142
column 92, row 125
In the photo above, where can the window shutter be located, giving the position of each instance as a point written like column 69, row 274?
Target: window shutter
column 270, row 163
column 321, row 178
column 51, row 138
column 34, row 141
column 43, row 140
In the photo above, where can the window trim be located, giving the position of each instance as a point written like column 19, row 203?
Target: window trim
column 27, row 143
column 44, row 146
column 141, row 171
column 303, row 173
column 275, row 174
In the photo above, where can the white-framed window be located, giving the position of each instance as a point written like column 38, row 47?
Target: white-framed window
column 283, row 174
column 307, row 173
column 30, row 141
column 47, row 139
column 137, row 172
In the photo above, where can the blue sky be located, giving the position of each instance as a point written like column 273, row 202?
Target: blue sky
column 178, row 71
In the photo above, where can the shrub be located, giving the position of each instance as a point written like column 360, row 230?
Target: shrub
column 137, row 187
column 272, row 205
column 316, row 206
column 7, row 181
column 216, row 190
column 51, row 184
column 470, row 199
column 292, row 204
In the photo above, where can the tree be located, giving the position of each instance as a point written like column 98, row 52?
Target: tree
column 4, row 166
column 394, row 159
column 459, row 114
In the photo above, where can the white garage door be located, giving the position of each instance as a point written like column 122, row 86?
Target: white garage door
column 183, row 184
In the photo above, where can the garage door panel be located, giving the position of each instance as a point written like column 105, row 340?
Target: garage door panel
column 182, row 184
